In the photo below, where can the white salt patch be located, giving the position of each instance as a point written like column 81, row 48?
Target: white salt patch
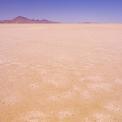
column 76, row 88
column 87, row 119
column 113, row 107
column 53, row 82
column 82, row 79
column 118, row 81
column 43, row 72
column 11, row 100
column 1, row 62
column 66, row 95
column 33, row 116
column 95, row 78
column 64, row 114
column 99, row 86
column 4, row 61
column 86, row 95
column 101, row 117
column 53, row 98
column 57, row 83
column 88, row 66
column 69, row 93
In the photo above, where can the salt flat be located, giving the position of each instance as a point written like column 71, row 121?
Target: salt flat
column 61, row 73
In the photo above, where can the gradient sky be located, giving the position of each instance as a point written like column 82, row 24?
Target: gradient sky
column 63, row 10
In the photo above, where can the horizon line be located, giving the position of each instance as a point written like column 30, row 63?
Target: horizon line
column 61, row 22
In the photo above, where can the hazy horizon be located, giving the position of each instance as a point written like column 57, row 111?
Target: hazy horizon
column 70, row 11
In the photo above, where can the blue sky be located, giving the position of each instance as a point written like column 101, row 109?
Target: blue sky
column 63, row 10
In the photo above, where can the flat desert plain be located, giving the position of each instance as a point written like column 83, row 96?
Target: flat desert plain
column 61, row 73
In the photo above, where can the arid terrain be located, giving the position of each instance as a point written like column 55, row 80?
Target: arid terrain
column 60, row 72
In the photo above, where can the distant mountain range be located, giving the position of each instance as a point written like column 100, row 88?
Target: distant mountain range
column 21, row 19
column 24, row 20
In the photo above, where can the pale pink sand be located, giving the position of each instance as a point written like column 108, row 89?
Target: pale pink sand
column 61, row 73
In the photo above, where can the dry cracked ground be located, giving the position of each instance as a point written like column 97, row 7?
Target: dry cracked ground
column 60, row 73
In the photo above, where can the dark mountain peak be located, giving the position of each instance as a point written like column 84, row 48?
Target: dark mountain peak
column 21, row 19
